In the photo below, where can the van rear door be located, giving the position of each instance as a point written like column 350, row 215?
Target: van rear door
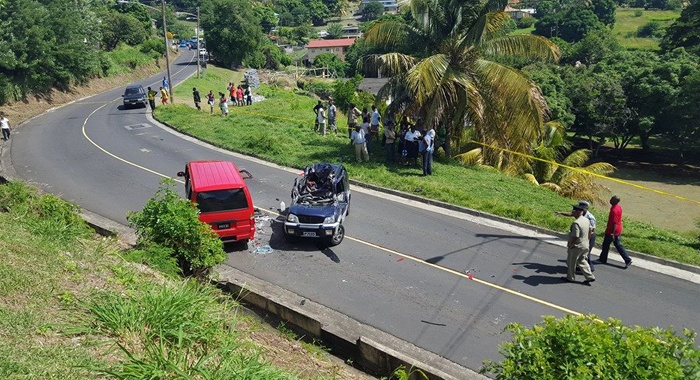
column 229, row 212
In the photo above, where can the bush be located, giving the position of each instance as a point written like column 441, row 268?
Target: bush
column 153, row 47
column 526, row 22
column 46, row 215
column 650, row 29
column 584, row 347
column 638, row 13
column 173, row 222
column 157, row 257
column 322, row 89
column 332, row 62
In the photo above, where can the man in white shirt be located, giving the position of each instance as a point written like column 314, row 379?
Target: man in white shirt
column 321, row 120
column 332, row 113
column 358, row 138
column 374, row 125
column 5, row 126
column 427, row 153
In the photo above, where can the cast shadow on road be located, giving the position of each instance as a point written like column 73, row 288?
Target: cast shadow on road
column 493, row 237
column 554, row 272
column 188, row 63
column 278, row 242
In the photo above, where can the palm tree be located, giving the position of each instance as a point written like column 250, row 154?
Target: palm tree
column 442, row 69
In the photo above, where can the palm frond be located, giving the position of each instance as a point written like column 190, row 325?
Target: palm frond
column 391, row 34
column 577, row 158
column 552, row 186
column 531, row 178
column 389, row 64
column 484, row 28
column 472, row 157
column 526, row 46
column 602, row 168
column 424, row 78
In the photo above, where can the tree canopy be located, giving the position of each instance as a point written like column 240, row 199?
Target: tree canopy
column 233, row 31
column 372, row 11
column 685, row 31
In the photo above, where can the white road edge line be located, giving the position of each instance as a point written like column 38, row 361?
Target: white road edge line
column 546, row 238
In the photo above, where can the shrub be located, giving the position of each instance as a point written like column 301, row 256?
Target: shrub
column 638, row 13
column 584, row 347
column 650, row 29
column 526, row 22
column 157, row 257
column 153, row 47
column 46, row 215
column 320, row 88
column 173, row 222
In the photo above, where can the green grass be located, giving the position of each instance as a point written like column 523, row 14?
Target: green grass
column 215, row 79
column 126, row 58
column 293, row 143
column 71, row 308
column 626, row 25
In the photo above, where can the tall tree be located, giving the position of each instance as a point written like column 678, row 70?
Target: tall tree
column 447, row 73
column 232, row 30
column 685, row 31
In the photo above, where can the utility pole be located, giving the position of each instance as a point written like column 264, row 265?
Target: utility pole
column 167, row 51
column 197, row 42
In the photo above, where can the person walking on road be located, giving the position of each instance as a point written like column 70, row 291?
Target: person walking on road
column 390, row 138
column 163, row 96
column 210, row 101
column 353, row 114
column 592, row 221
column 358, row 138
column 152, row 98
column 321, row 119
column 613, row 232
column 166, row 84
column 5, row 126
column 577, row 247
column 197, row 98
column 332, row 113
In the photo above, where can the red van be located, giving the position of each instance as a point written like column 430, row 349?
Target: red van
column 222, row 196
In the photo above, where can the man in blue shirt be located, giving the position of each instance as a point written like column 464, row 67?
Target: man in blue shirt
column 374, row 124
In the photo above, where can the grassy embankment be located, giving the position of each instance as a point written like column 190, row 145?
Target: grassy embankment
column 71, row 307
column 293, row 143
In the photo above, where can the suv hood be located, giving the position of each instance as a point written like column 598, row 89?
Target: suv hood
column 324, row 211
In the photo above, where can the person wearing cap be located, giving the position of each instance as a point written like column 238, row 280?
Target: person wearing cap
column 592, row 236
column 578, row 247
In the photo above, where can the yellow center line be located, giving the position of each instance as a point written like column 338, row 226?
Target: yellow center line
column 369, row 244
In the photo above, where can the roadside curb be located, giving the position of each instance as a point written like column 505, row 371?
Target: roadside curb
column 373, row 349
column 461, row 209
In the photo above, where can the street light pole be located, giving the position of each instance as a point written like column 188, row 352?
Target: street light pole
column 167, row 53
column 197, row 42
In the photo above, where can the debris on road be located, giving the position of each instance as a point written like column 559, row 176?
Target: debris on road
column 262, row 249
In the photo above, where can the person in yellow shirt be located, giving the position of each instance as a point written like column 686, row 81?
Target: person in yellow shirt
column 152, row 98
column 163, row 96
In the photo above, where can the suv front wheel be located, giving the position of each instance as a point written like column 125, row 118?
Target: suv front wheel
column 338, row 237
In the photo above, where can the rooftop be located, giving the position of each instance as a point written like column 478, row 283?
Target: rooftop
column 342, row 42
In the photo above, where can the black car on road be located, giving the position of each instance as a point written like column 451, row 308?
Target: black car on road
column 320, row 204
column 135, row 95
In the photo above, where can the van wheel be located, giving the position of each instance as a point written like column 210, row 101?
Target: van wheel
column 338, row 237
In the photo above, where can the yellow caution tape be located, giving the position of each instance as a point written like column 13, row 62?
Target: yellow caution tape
column 517, row 153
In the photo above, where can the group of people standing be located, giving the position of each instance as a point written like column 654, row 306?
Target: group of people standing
column 364, row 128
column 582, row 239
column 237, row 97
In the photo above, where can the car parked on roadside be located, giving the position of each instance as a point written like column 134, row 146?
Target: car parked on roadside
column 222, row 196
column 135, row 95
column 183, row 44
column 320, row 204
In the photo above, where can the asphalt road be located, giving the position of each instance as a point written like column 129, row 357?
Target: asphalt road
column 437, row 310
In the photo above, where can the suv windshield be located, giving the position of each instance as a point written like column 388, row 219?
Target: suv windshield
column 133, row 91
column 222, row 200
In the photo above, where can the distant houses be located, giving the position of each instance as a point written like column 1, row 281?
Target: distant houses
column 338, row 47
column 517, row 14
column 390, row 6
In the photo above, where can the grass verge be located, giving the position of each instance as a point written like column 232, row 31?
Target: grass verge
column 626, row 25
column 72, row 308
column 271, row 130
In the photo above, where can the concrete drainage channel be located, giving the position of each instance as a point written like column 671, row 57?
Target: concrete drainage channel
column 372, row 350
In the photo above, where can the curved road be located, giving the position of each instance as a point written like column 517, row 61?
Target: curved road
column 110, row 160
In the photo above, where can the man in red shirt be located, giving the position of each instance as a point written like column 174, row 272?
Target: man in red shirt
column 613, row 232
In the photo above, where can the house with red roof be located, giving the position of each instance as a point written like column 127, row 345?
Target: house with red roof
column 338, row 47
